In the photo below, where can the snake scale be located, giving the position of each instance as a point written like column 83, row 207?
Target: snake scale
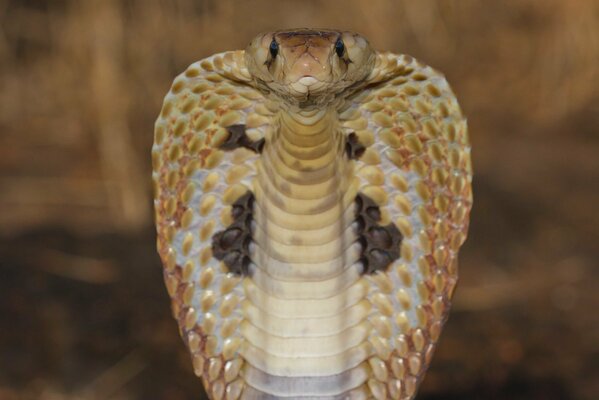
column 311, row 196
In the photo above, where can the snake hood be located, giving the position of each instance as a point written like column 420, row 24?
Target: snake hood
column 309, row 67
column 311, row 197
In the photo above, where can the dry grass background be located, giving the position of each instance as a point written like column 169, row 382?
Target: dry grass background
column 83, row 314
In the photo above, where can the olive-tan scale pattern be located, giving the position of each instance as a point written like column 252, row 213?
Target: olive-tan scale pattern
column 416, row 167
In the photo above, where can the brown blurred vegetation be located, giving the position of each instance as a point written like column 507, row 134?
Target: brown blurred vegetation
column 83, row 312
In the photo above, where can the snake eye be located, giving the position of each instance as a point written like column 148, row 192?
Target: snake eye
column 274, row 48
column 339, row 47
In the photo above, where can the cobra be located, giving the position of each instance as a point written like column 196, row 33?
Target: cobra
column 311, row 196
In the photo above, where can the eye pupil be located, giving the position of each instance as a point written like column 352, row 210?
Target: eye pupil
column 339, row 47
column 274, row 48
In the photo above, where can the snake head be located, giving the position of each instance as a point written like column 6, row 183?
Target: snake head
column 309, row 66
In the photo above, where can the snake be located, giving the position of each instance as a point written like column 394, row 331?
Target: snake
column 311, row 195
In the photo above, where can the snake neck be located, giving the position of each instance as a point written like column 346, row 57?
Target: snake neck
column 308, row 146
column 304, row 198
column 303, row 285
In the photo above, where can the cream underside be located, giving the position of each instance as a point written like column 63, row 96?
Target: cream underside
column 305, row 306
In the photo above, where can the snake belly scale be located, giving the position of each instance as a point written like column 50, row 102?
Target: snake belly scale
column 311, row 196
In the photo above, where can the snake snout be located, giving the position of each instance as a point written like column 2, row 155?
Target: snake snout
column 308, row 75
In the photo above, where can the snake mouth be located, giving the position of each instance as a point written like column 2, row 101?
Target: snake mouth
column 308, row 80
column 307, row 85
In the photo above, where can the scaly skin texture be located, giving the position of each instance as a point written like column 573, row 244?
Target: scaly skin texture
column 311, row 197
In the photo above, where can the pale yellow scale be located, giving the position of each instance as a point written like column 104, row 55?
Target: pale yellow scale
column 306, row 322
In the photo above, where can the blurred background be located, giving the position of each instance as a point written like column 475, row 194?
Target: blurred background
column 83, row 310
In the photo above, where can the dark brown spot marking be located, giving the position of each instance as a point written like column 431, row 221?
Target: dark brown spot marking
column 239, row 138
column 231, row 245
column 380, row 244
column 353, row 148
